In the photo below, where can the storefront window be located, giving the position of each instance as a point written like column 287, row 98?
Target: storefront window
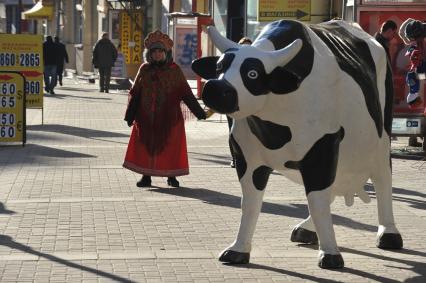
column 253, row 25
column 220, row 12
column 392, row 1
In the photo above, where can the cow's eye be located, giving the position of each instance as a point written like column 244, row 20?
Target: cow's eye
column 253, row 74
column 219, row 67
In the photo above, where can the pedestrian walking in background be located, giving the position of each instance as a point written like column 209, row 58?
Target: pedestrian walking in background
column 50, row 51
column 62, row 56
column 387, row 32
column 104, row 56
column 157, row 145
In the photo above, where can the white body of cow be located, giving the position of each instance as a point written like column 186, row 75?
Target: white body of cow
column 326, row 108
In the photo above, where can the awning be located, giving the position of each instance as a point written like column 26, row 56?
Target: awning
column 39, row 11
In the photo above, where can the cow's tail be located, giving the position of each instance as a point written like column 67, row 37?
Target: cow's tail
column 388, row 111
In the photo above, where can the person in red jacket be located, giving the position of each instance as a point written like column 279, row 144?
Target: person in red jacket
column 157, row 145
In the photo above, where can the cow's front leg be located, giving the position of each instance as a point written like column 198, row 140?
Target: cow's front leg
column 253, row 180
column 319, row 209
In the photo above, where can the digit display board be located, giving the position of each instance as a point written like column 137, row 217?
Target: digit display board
column 24, row 53
column 12, row 107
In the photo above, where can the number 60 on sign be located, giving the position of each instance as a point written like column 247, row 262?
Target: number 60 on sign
column 12, row 107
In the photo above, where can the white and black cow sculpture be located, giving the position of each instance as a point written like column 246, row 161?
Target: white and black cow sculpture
column 315, row 103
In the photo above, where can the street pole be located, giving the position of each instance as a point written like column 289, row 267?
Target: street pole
column 156, row 14
column 19, row 22
column 58, row 14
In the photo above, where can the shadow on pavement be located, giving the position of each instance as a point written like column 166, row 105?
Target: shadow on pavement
column 75, row 88
column 9, row 242
column 63, row 96
column 414, row 203
column 281, row 271
column 33, row 153
column 211, row 158
column 293, row 210
column 4, row 210
column 415, row 266
column 75, row 131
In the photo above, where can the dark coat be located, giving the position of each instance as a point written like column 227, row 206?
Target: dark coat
column 383, row 42
column 62, row 54
column 104, row 53
column 50, row 52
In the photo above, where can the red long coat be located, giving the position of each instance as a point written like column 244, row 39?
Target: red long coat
column 157, row 145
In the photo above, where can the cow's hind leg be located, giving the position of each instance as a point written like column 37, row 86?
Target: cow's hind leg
column 304, row 232
column 253, row 183
column 388, row 236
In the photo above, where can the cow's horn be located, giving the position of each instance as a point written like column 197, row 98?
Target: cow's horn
column 283, row 56
column 222, row 43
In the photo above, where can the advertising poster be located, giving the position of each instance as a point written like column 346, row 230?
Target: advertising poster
column 24, row 53
column 12, row 107
column 185, row 49
column 370, row 21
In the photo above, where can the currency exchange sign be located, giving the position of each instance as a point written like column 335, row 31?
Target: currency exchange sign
column 24, row 53
column 12, row 107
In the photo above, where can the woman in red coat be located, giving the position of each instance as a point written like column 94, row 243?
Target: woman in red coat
column 157, row 145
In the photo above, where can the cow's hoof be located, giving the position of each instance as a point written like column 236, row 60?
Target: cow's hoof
column 302, row 235
column 329, row 261
column 234, row 257
column 390, row 241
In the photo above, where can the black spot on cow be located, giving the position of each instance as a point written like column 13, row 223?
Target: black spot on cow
column 354, row 57
column 271, row 135
column 318, row 166
column 240, row 161
column 388, row 100
column 205, row 67
column 282, row 81
column 261, row 176
column 224, row 63
column 254, row 76
column 282, row 33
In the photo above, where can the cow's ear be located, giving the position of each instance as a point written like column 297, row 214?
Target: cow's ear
column 205, row 67
column 282, row 81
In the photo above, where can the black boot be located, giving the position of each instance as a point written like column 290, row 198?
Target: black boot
column 171, row 181
column 144, row 182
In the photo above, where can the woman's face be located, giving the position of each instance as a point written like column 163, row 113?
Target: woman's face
column 158, row 55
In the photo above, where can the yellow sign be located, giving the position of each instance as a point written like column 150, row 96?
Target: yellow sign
column 24, row 53
column 272, row 10
column 12, row 107
column 137, row 39
column 125, row 31
column 131, row 37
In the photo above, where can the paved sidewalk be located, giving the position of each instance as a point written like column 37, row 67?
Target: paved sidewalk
column 69, row 212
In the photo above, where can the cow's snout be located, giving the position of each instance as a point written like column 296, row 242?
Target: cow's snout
column 220, row 96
